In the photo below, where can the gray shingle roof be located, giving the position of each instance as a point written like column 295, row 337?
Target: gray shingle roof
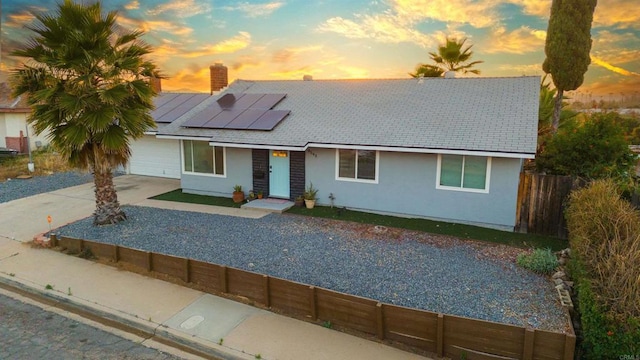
column 473, row 114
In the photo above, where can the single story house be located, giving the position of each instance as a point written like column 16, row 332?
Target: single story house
column 14, row 132
column 449, row 149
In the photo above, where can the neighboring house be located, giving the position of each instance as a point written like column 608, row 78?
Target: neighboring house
column 447, row 149
column 13, row 121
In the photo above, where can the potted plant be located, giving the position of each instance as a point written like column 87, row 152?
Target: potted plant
column 238, row 194
column 299, row 201
column 310, row 196
column 260, row 194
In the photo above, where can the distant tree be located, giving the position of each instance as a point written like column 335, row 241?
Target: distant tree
column 88, row 85
column 596, row 149
column 567, row 47
column 452, row 55
column 426, row 70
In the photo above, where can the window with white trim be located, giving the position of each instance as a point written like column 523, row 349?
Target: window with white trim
column 201, row 158
column 357, row 165
column 463, row 172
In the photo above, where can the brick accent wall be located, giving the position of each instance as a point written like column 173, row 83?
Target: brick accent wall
column 297, row 173
column 17, row 143
column 260, row 160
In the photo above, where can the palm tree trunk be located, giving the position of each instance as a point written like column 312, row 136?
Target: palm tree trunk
column 107, row 206
column 556, row 111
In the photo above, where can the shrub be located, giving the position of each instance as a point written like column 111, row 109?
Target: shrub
column 604, row 234
column 603, row 336
column 596, row 149
column 541, row 261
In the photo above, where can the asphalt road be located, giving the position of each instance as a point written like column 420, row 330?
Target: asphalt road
column 29, row 332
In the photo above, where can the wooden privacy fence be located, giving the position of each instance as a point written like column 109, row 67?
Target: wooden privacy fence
column 445, row 335
column 541, row 203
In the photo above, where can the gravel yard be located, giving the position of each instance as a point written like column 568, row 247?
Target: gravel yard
column 414, row 269
column 13, row 189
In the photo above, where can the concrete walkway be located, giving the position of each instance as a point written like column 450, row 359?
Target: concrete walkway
column 213, row 325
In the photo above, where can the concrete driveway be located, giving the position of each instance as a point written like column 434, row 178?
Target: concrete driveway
column 22, row 219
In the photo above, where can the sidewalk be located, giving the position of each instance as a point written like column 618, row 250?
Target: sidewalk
column 211, row 324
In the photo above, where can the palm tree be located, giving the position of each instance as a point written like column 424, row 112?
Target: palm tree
column 88, row 85
column 453, row 56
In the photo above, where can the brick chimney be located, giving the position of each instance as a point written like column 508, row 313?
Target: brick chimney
column 156, row 84
column 219, row 77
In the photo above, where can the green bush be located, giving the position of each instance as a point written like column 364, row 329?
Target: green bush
column 596, row 149
column 541, row 261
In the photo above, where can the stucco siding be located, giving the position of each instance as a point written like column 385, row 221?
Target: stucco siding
column 407, row 186
column 237, row 171
column 11, row 124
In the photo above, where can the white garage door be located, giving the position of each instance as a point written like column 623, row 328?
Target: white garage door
column 155, row 157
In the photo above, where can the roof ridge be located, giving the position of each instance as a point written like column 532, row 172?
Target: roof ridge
column 381, row 79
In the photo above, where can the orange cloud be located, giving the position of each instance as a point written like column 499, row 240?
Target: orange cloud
column 236, row 43
column 519, row 41
column 256, row 10
column 155, row 26
column 541, row 8
column 183, row 8
column 619, row 13
column 135, row 4
column 294, row 74
column 385, row 28
column 615, row 69
column 478, row 14
column 187, row 79
column 18, row 20
column 291, row 54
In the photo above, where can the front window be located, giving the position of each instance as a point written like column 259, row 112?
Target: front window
column 201, row 158
column 464, row 172
column 358, row 165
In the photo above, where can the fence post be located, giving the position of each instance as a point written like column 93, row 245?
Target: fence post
column 54, row 240
column 224, row 286
column 185, row 271
column 265, row 279
column 380, row 321
column 312, row 303
column 527, row 349
column 440, row 336
column 149, row 261
column 569, row 346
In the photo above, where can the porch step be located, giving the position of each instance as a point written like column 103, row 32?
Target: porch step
column 269, row 205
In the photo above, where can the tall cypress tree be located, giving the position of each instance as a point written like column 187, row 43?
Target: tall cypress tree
column 567, row 47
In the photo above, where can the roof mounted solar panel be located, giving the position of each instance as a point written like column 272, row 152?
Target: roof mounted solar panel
column 190, row 101
column 203, row 116
column 240, row 112
column 163, row 98
column 268, row 101
column 269, row 120
column 221, row 120
column 244, row 120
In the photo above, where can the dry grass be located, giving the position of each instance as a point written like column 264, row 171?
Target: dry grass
column 46, row 162
column 605, row 234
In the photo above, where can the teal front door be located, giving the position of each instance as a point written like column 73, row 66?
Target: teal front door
column 279, row 174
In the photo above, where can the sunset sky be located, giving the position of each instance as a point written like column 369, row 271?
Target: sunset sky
column 333, row 39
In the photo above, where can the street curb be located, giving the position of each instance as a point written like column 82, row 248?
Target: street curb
column 156, row 333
